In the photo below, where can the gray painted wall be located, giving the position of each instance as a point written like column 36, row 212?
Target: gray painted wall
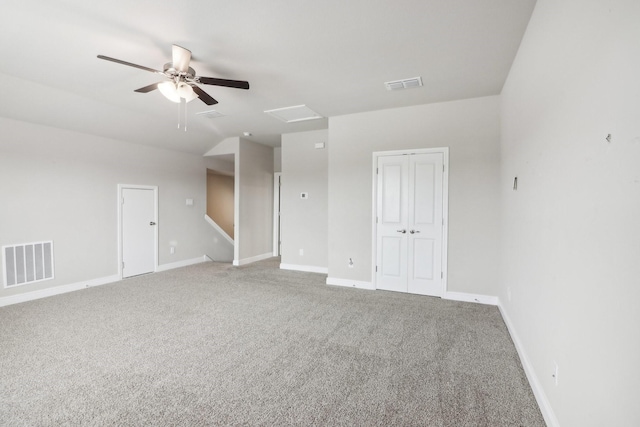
column 62, row 186
column 470, row 128
column 571, row 233
column 255, row 204
column 304, row 222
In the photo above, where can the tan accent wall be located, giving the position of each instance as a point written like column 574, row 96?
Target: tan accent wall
column 220, row 194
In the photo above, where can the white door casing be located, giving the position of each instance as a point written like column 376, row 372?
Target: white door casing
column 409, row 228
column 277, row 178
column 138, row 230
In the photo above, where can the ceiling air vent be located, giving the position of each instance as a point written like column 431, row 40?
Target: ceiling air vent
column 293, row 114
column 404, row 84
column 211, row 114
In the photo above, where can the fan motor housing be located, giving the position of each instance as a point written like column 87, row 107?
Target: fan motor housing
column 169, row 71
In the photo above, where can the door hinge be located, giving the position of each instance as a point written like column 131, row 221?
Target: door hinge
column 122, row 201
column 123, row 265
column 376, row 268
column 442, row 274
column 376, row 171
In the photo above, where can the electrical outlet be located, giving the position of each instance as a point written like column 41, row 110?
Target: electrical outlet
column 301, row 252
column 172, row 250
column 555, row 373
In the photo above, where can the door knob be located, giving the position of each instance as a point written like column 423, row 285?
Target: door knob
column 401, row 231
column 414, row 231
column 152, row 223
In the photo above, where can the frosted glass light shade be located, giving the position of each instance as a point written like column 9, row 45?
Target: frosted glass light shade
column 174, row 92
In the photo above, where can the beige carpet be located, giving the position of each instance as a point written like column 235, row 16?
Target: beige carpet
column 213, row 344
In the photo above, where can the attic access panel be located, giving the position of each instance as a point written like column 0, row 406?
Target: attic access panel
column 297, row 113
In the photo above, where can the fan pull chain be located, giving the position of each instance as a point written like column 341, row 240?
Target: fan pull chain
column 184, row 101
column 182, row 114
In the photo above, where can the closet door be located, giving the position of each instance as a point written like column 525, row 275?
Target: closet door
column 409, row 223
column 392, row 222
column 425, row 224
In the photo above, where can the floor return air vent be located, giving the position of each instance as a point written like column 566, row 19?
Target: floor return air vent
column 27, row 263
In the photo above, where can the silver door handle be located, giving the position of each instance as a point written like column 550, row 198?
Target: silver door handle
column 414, row 231
column 152, row 223
column 401, row 231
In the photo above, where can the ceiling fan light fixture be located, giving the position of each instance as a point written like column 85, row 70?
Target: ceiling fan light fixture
column 173, row 92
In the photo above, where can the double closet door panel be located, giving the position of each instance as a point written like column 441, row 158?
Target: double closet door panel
column 409, row 223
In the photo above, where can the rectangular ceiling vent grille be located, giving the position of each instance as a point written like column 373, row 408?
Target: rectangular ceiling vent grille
column 404, row 84
column 27, row 263
column 297, row 113
column 211, row 114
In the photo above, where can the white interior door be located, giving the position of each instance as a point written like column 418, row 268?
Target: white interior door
column 409, row 223
column 425, row 224
column 392, row 222
column 138, row 231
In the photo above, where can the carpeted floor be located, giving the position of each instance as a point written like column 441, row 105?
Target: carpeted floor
column 213, row 344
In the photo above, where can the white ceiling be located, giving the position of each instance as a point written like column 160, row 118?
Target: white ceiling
column 332, row 55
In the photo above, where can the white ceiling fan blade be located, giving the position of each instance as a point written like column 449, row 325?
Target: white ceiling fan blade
column 181, row 58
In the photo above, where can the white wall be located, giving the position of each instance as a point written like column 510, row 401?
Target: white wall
column 571, row 255
column 62, row 186
column 304, row 222
column 277, row 159
column 471, row 129
column 254, row 197
column 255, row 204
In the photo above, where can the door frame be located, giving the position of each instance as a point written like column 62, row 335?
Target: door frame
column 121, row 187
column 277, row 183
column 445, row 208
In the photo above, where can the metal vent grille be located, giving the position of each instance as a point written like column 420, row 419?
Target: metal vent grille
column 404, row 84
column 27, row 263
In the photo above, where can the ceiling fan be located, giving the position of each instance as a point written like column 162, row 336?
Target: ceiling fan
column 182, row 81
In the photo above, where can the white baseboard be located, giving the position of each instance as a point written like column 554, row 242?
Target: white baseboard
column 249, row 260
column 63, row 289
column 541, row 397
column 183, row 263
column 57, row 290
column 350, row 283
column 465, row 297
column 307, row 268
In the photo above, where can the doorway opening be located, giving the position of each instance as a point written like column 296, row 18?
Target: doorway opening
column 221, row 200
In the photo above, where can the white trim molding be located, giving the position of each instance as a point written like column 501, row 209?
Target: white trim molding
column 541, row 397
column 219, row 229
column 57, row 290
column 249, row 260
column 306, row 268
column 476, row 298
column 63, row 289
column 350, row 283
column 183, row 263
